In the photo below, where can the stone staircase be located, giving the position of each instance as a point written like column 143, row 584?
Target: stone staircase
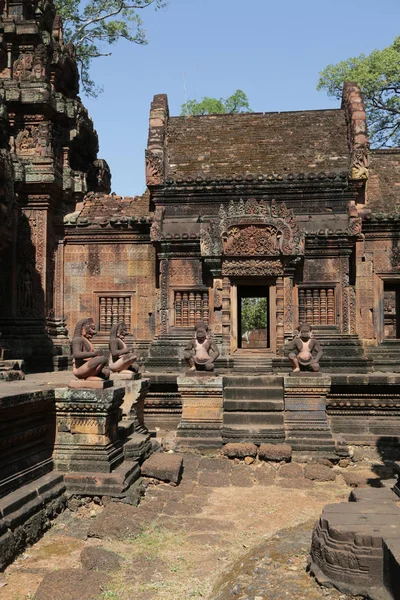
column 386, row 356
column 249, row 361
column 253, row 409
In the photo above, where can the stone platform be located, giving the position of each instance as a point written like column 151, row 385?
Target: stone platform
column 201, row 420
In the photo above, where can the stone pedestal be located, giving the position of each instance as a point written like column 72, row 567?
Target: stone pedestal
column 87, row 444
column 137, row 444
column 202, row 406
column 306, row 423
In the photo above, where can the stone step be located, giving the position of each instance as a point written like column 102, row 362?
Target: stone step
column 253, row 405
column 254, row 381
column 268, row 434
column 253, row 393
column 257, row 419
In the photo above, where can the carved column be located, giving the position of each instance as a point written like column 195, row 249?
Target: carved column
column 163, row 296
column 280, row 314
column 288, row 306
column 345, row 304
column 226, row 316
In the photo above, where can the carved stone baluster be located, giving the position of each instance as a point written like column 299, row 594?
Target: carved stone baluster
column 108, row 314
column 331, row 306
column 185, row 309
column 121, row 310
column 316, row 307
column 323, row 307
column 302, row 306
column 309, row 307
column 205, row 309
column 178, row 309
column 103, row 326
column 114, row 311
column 280, row 313
column 198, row 307
column 192, row 310
column 127, row 312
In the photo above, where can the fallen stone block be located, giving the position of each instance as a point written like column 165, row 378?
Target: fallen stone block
column 292, row 471
column 318, row 472
column 237, row 450
column 163, row 466
column 355, row 478
column 275, row 452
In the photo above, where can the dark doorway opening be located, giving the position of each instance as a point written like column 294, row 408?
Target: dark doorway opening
column 391, row 310
column 253, row 317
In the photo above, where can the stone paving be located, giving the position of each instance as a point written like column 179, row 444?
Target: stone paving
column 228, row 531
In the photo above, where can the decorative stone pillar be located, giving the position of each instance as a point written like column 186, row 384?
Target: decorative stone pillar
column 288, row 306
column 137, row 445
column 306, row 423
column 202, row 408
column 280, row 315
column 87, row 446
column 163, row 296
column 226, row 316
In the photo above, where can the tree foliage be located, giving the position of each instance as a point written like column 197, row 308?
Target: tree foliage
column 253, row 314
column 95, row 25
column 378, row 76
column 237, row 103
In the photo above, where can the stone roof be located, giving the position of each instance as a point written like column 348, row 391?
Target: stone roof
column 257, row 143
column 383, row 188
column 100, row 208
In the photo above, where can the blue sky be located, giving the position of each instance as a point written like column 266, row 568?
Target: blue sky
column 272, row 50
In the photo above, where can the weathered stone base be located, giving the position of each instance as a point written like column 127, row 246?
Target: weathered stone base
column 201, row 436
column 137, row 447
column 90, row 384
column 163, row 404
column 26, row 514
column 11, row 375
column 355, row 545
column 306, row 424
column 103, row 484
column 202, row 403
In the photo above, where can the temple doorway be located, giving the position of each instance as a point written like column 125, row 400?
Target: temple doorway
column 253, row 317
column 391, row 309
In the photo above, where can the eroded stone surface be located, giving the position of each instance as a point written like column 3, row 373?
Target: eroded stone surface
column 163, row 466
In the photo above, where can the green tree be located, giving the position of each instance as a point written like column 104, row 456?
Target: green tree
column 237, row 103
column 253, row 314
column 378, row 76
column 95, row 25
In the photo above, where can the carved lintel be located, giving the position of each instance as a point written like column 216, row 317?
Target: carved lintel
column 252, row 267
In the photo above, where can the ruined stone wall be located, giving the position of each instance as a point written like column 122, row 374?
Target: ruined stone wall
column 95, row 271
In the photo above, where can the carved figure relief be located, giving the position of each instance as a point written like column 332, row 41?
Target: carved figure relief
column 360, row 162
column 253, row 228
column 154, row 168
column 156, row 226
column 251, row 240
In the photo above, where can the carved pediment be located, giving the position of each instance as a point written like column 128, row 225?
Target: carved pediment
column 254, row 228
column 154, row 169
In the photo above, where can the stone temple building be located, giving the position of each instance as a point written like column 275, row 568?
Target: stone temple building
column 292, row 212
column 251, row 224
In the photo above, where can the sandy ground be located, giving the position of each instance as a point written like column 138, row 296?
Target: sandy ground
column 191, row 536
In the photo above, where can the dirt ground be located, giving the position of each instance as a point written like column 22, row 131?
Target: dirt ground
column 228, row 531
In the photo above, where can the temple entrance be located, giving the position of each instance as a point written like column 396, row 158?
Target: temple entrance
column 391, row 310
column 253, row 317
